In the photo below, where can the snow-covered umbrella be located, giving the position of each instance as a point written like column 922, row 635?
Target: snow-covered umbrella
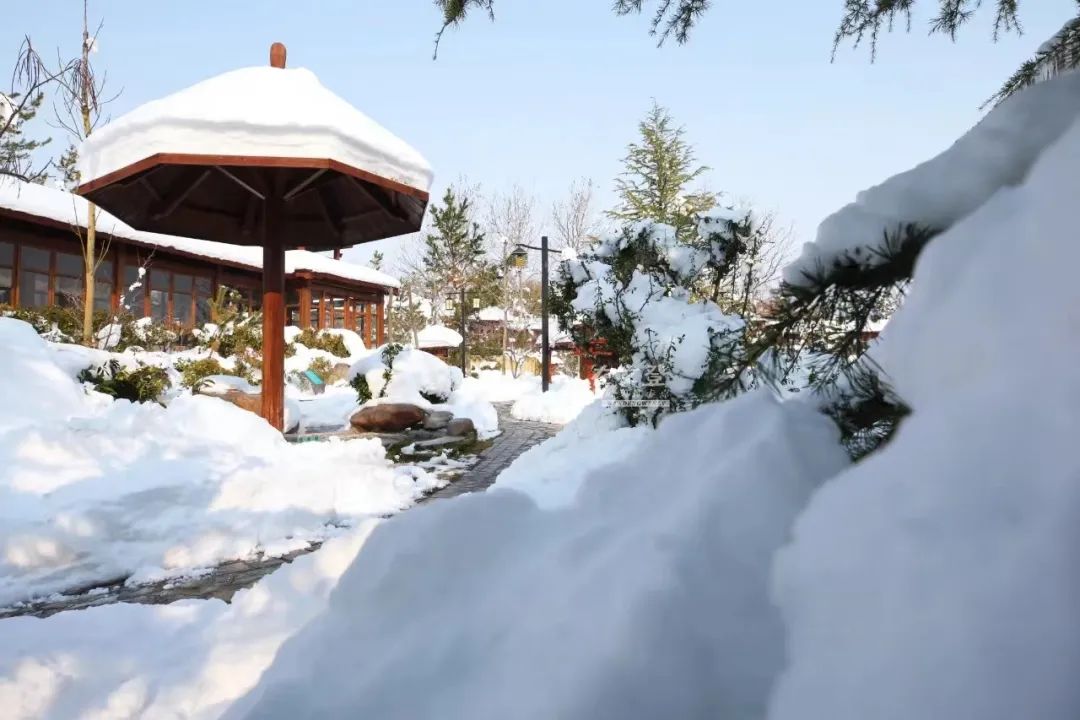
column 258, row 156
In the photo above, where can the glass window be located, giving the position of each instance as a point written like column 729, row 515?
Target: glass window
column 133, row 297
column 159, row 280
column 69, row 291
column 202, row 310
column 104, row 272
column 102, row 295
column 315, row 320
column 5, row 286
column 33, row 258
column 182, row 308
column 182, row 283
column 159, row 306
column 7, row 254
column 204, row 286
column 70, row 265
column 33, row 289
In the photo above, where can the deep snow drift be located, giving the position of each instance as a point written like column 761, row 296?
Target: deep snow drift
column 93, row 489
column 188, row 660
column 646, row 598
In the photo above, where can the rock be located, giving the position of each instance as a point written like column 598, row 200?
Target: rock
column 391, row 417
column 438, row 419
column 460, row 426
column 445, row 441
column 338, row 373
column 252, row 402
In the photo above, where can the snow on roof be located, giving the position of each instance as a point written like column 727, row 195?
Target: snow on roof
column 62, row 206
column 257, row 111
column 434, row 336
column 998, row 152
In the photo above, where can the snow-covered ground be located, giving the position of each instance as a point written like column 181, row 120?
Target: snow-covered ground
column 92, row 489
column 730, row 563
column 191, row 659
column 565, row 399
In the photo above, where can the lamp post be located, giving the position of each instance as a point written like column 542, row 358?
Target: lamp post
column 460, row 292
column 519, row 257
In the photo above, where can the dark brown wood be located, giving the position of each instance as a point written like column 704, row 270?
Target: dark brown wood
column 240, row 181
column 277, row 55
column 305, row 304
column 159, row 159
column 273, row 312
column 179, row 195
column 303, row 184
column 380, row 328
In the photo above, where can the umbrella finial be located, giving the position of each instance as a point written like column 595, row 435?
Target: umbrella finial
column 277, row 55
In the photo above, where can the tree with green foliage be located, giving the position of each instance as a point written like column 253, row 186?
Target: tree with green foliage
column 16, row 148
column 454, row 244
column 659, row 169
column 377, row 260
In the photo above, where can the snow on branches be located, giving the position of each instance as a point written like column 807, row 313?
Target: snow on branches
column 636, row 294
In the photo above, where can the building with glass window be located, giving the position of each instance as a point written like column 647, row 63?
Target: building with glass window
column 41, row 264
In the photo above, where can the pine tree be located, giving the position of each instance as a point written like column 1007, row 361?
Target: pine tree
column 659, row 169
column 16, row 149
column 377, row 260
column 454, row 244
column 67, row 165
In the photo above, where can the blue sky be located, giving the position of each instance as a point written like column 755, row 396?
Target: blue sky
column 553, row 91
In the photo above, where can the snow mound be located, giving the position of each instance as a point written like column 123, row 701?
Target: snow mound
column 563, row 401
column 938, row 579
column 257, row 111
column 93, row 489
column 434, row 336
column 996, row 153
column 552, row 472
column 636, row 599
column 187, row 660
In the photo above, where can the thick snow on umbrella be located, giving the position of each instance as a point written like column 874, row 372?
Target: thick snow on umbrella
column 255, row 111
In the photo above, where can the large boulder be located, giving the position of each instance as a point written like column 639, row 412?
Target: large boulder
column 244, row 396
column 389, row 417
column 460, row 426
column 438, row 420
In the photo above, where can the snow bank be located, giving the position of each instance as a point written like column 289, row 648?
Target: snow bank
column 938, row 579
column 996, row 153
column 563, row 401
column 256, row 111
column 93, row 489
column 552, row 472
column 189, row 660
column 496, row 386
column 643, row 599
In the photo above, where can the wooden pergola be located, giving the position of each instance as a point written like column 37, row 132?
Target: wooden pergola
column 280, row 203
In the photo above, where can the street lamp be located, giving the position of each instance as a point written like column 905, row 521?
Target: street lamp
column 460, row 292
column 518, row 258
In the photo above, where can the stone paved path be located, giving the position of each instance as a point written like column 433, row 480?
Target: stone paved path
column 517, row 437
column 226, row 579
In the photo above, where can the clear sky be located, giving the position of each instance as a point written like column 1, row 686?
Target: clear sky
column 553, row 90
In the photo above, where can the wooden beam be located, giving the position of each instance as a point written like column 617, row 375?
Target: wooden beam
column 149, row 188
column 239, row 181
column 330, row 210
column 178, row 193
column 381, row 198
column 303, row 184
column 251, row 216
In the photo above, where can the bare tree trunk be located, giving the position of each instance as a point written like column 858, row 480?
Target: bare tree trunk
column 415, row 335
column 90, row 260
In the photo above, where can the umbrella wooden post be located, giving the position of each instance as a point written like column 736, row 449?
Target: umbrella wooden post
column 273, row 309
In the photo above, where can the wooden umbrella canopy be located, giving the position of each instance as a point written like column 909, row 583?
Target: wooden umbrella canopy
column 319, row 186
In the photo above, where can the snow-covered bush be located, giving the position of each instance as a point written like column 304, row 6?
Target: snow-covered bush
column 638, row 294
column 331, row 342
column 145, row 383
column 192, row 371
column 402, row 373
